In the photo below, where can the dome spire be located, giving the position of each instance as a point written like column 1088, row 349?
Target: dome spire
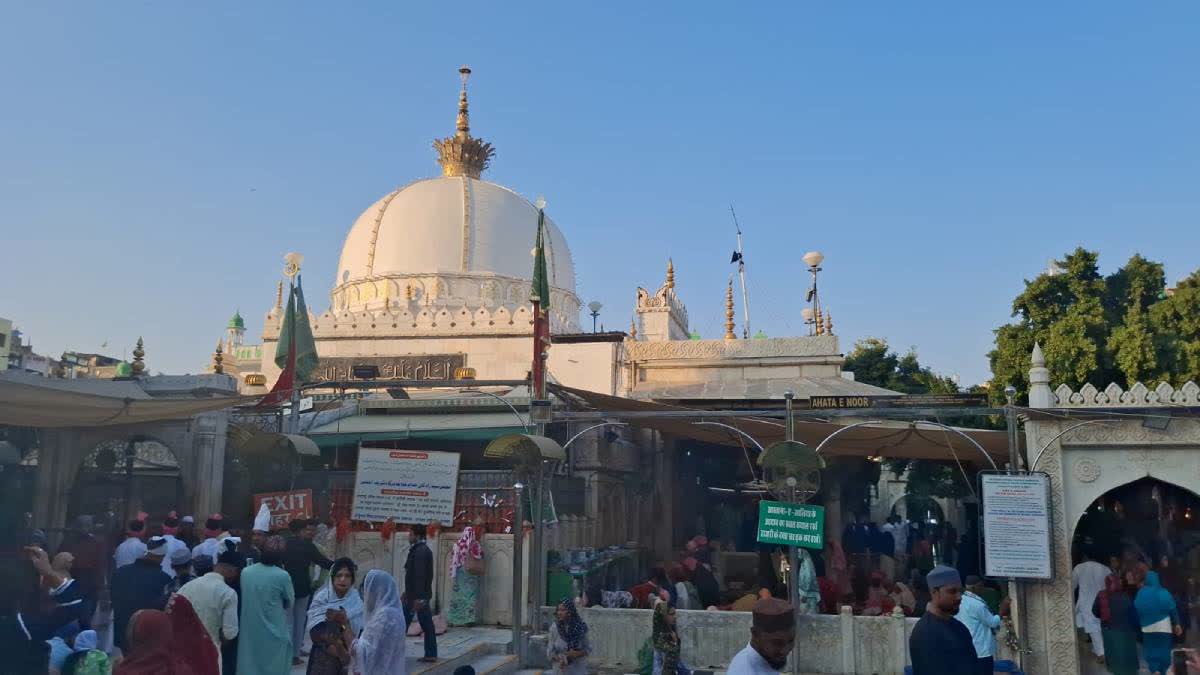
column 462, row 154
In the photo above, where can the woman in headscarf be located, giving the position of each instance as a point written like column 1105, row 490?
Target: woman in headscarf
column 1159, row 620
column 190, row 641
column 86, row 659
column 665, row 639
column 466, row 565
column 334, row 618
column 568, row 646
column 380, row 648
column 1117, row 626
column 151, row 648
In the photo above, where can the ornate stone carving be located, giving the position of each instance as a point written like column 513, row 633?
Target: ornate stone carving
column 824, row 345
column 1137, row 395
column 1087, row 470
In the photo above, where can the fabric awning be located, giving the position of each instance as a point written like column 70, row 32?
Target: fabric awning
column 245, row 438
column 890, row 439
column 81, row 403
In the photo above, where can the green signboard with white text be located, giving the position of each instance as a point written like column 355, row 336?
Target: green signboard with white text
column 791, row 524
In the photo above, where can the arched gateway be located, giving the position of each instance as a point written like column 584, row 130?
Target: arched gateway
column 1143, row 455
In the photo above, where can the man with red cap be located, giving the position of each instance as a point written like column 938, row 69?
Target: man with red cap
column 210, row 548
column 170, row 528
column 133, row 548
column 772, row 636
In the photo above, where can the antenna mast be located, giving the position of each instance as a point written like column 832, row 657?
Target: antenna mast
column 741, row 261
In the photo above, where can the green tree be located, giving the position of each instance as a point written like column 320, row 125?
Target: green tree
column 1121, row 328
column 1175, row 321
column 873, row 362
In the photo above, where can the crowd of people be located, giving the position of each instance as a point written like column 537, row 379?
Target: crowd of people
column 1131, row 604
column 174, row 603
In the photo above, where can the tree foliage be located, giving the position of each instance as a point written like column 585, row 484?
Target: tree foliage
column 1123, row 328
column 873, row 362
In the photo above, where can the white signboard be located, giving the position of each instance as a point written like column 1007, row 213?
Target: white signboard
column 1016, row 525
column 408, row 486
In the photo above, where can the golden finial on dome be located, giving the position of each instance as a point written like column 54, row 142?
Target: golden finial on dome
column 462, row 154
column 729, row 334
column 670, row 274
column 217, row 359
column 139, row 365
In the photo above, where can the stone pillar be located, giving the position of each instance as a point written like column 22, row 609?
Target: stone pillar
column 832, row 487
column 849, row 646
column 208, row 462
column 1048, row 621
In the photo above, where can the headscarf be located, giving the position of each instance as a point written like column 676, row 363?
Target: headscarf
column 1112, row 585
column 327, row 598
column 466, row 545
column 665, row 639
column 151, row 651
column 380, row 648
column 573, row 630
column 87, row 639
column 191, row 641
column 1153, row 602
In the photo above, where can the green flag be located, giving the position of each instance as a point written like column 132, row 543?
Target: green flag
column 306, row 347
column 297, row 332
column 286, row 331
column 541, row 281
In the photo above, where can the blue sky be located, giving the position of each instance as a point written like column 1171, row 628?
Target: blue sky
column 160, row 158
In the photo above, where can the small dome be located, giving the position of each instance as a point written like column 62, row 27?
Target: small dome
column 236, row 321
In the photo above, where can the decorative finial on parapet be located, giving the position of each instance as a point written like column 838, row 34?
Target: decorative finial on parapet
column 633, row 328
column 1040, row 394
column 217, row 359
column 828, row 322
column 729, row 334
column 139, row 365
column 820, row 321
column 670, row 274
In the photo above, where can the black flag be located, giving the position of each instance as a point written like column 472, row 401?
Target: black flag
column 811, row 293
column 737, row 257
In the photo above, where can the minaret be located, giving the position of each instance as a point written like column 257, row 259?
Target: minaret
column 235, row 332
column 462, row 154
column 729, row 334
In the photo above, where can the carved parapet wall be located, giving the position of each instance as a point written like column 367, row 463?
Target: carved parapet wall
column 1138, row 395
column 821, row 345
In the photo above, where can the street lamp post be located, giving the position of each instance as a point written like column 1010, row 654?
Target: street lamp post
column 594, row 307
column 812, row 314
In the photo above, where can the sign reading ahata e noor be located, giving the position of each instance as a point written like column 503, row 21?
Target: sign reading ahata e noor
column 791, row 524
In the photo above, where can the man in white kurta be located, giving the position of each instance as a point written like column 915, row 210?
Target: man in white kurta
column 1088, row 578
column 216, row 603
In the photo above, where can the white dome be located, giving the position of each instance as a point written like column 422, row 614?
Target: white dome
column 452, row 225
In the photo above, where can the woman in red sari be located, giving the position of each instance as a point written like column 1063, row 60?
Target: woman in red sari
column 190, row 640
column 151, row 648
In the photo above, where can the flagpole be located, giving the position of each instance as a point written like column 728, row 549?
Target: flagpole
column 742, row 277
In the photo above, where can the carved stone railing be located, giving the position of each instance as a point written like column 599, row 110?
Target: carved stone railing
column 840, row 644
column 1138, row 395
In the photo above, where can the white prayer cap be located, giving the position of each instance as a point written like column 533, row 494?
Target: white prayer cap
column 262, row 522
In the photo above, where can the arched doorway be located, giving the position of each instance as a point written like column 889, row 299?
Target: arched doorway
column 123, row 477
column 1151, row 522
